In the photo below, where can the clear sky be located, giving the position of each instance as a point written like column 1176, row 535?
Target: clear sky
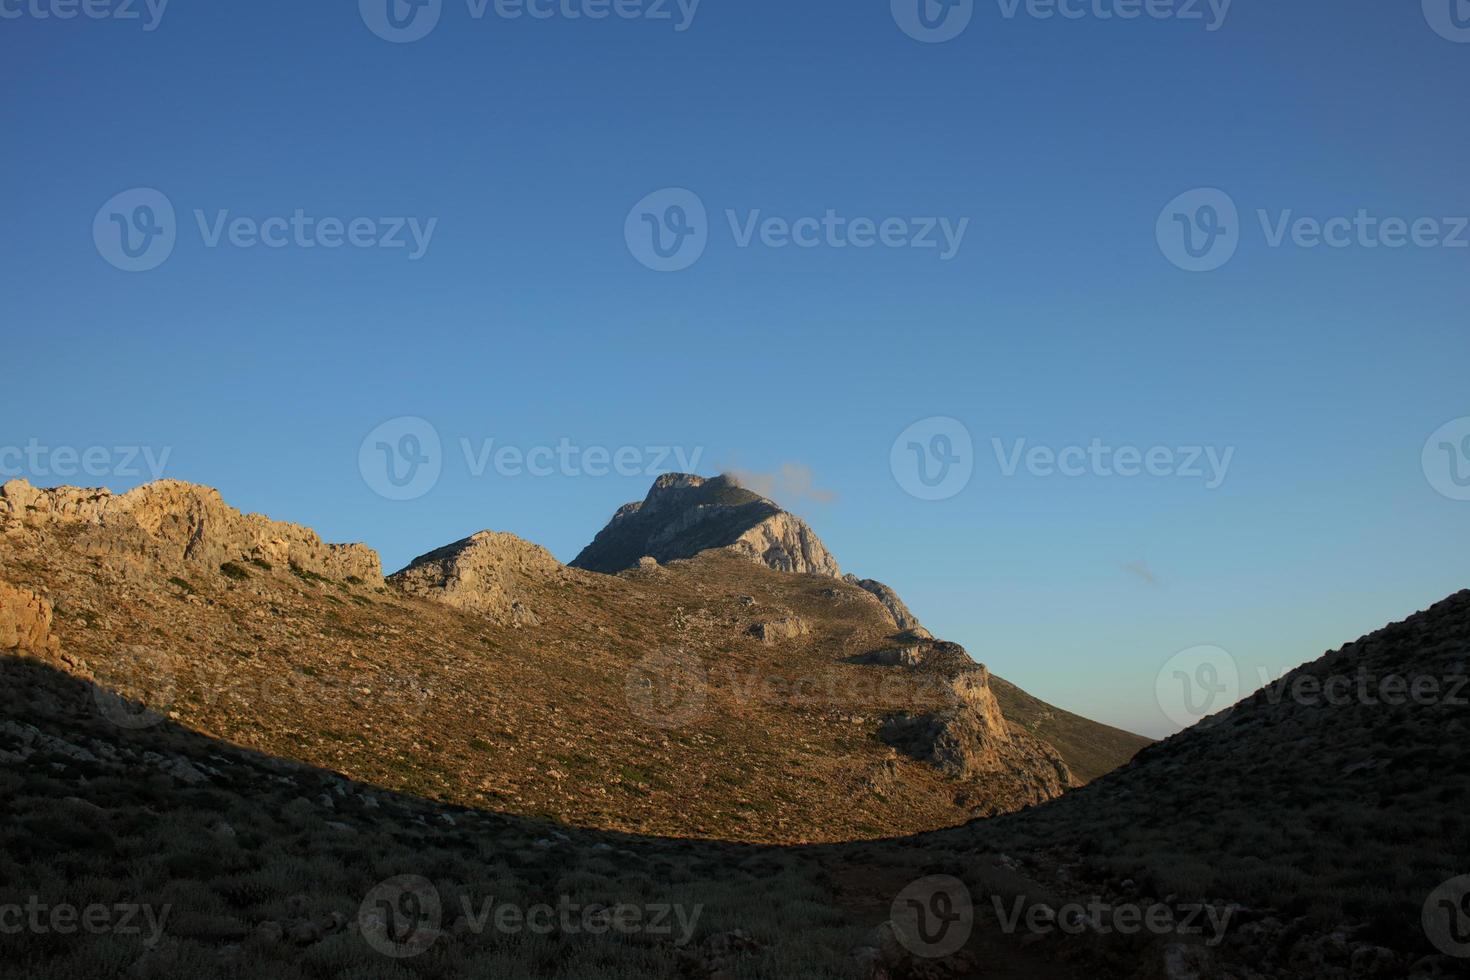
column 526, row 311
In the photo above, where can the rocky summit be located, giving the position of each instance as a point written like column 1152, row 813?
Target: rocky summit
column 685, row 514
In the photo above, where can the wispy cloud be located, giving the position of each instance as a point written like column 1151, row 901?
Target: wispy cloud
column 792, row 483
column 1142, row 571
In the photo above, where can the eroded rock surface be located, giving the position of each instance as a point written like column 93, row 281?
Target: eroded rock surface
column 899, row 612
column 487, row 573
column 685, row 514
column 177, row 523
column 25, row 622
column 964, row 733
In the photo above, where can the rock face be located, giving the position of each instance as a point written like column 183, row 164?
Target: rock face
column 25, row 622
column 775, row 630
column 955, row 722
column 684, row 515
column 965, row 734
column 899, row 612
column 176, row 523
column 484, row 573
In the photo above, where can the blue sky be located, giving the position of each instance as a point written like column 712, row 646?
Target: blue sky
column 520, row 148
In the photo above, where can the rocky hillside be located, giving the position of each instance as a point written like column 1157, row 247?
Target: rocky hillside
column 169, row 524
column 1323, row 811
column 491, row 574
column 713, row 696
column 1091, row 749
column 684, row 515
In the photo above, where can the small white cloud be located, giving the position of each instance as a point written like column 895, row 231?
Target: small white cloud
column 792, row 483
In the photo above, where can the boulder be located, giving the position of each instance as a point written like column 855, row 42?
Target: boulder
column 25, row 622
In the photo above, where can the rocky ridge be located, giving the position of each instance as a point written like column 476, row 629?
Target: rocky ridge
column 684, row 515
column 176, row 524
column 486, row 573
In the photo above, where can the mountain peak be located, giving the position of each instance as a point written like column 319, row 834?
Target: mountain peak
column 685, row 514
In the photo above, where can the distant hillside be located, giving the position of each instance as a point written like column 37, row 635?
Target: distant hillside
column 1090, row 748
column 1330, row 805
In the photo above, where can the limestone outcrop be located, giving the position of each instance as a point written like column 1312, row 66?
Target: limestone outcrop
column 25, row 622
column 684, row 515
column 486, row 573
column 176, row 523
column 897, row 611
column 963, row 732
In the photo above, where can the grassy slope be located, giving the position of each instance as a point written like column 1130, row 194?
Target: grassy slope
column 1090, row 748
column 1347, row 812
